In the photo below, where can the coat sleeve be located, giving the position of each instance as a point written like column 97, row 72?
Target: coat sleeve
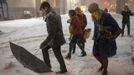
column 112, row 22
column 122, row 13
column 85, row 20
column 52, row 27
column 130, row 13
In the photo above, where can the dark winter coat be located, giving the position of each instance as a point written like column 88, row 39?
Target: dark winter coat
column 103, row 46
column 55, row 36
column 126, row 16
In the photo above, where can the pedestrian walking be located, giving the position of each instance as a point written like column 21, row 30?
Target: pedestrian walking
column 76, row 31
column 55, row 38
column 83, row 21
column 126, row 13
column 105, row 33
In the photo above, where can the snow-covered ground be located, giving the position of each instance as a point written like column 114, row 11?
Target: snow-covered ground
column 29, row 33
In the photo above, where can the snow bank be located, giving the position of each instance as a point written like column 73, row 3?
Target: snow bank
column 29, row 33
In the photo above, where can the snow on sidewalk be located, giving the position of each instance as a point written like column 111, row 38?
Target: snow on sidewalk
column 29, row 33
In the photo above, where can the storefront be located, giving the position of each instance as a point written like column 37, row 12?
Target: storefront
column 17, row 9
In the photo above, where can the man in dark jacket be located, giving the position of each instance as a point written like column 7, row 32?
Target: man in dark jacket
column 55, row 36
column 126, row 13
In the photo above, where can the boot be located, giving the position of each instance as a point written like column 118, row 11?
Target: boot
column 68, row 56
column 104, row 72
column 83, row 54
column 61, row 72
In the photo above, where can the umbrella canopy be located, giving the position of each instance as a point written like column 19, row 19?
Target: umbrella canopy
column 28, row 60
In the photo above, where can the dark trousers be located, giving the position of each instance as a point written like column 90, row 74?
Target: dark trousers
column 58, row 55
column 128, row 28
column 74, row 48
column 76, row 40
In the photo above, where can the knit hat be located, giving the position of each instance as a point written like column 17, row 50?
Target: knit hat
column 93, row 7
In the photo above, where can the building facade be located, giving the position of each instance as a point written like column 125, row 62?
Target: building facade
column 3, row 9
column 20, row 8
column 17, row 9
